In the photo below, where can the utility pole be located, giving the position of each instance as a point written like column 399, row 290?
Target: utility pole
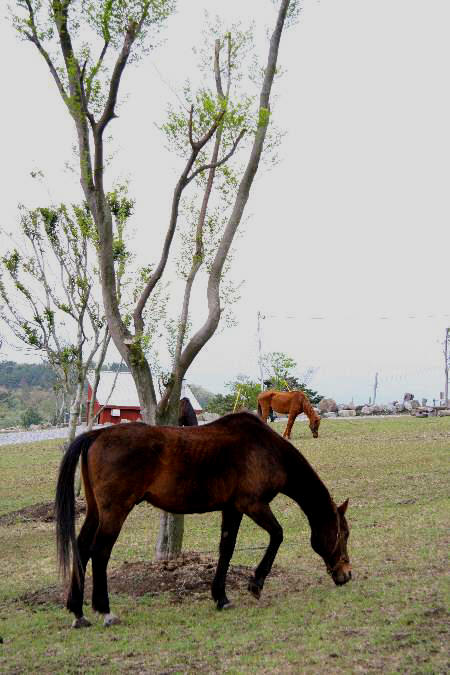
column 261, row 373
column 447, row 359
column 375, row 387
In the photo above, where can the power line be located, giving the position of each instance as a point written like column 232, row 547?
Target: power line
column 354, row 317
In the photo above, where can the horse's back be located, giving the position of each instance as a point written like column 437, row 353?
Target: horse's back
column 281, row 401
column 185, row 470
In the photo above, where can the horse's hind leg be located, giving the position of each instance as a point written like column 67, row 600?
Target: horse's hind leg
column 263, row 516
column 231, row 520
column 74, row 602
column 111, row 522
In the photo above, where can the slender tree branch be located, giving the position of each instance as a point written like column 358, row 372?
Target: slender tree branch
column 191, row 138
column 34, row 38
column 198, row 145
column 108, row 111
column 95, row 70
column 217, row 67
column 200, row 338
column 215, row 165
column 85, row 99
column 182, row 182
column 155, row 277
column 197, row 258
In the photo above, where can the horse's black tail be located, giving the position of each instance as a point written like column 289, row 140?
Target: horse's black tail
column 65, row 501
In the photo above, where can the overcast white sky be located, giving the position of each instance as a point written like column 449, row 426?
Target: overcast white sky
column 352, row 225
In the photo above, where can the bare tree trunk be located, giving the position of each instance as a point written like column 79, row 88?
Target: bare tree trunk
column 73, row 422
column 171, row 525
column 142, row 377
column 90, row 419
column 75, row 412
column 171, row 529
column 170, row 537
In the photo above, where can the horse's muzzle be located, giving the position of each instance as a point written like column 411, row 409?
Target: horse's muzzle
column 342, row 575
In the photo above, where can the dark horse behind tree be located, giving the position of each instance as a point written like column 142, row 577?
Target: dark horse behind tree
column 187, row 416
column 236, row 465
column 291, row 402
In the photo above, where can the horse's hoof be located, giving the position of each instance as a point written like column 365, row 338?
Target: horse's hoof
column 81, row 622
column 111, row 620
column 224, row 604
column 254, row 589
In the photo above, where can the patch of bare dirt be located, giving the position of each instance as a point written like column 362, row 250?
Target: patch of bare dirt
column 43, row 512
column 190, row 575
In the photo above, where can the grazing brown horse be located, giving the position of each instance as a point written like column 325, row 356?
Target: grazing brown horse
column 187, row 416
column 236, row 465
column 292, row 402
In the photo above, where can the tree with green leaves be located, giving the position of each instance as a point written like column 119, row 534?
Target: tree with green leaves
column 243, row 394
column 48, row 299
column 278, row 367
column 88, row 74
column 221, row 404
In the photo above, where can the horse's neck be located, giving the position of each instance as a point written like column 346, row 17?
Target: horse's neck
column 307, row 408
column 306, row 488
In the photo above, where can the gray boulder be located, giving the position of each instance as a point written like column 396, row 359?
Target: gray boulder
column 347, row 413
column 327, row 405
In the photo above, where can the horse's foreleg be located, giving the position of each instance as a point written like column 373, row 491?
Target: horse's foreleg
column 109, row 529
column 290, row 424
column 75, row 595
column 231, row 520
column 263, row 516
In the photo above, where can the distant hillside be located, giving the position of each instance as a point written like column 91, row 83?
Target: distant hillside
column 18, row 375
column 26, row 387
column 26, row 392
column 202, row 395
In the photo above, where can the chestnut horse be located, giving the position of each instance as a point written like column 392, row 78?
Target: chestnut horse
column 236, row 465
column 292, row 402
column 186, row 414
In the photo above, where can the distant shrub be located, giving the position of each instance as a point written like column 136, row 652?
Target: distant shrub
column 30, row 416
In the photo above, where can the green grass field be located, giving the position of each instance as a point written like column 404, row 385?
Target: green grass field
column 391, row 618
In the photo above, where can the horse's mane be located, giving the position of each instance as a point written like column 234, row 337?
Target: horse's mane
column 307, row 406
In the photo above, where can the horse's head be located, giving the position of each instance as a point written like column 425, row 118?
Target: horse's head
column 314, row 426
column 331, row 544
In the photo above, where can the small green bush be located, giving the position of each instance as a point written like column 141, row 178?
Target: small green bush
column 30, row 416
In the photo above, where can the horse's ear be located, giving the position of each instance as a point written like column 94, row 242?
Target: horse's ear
column 343, row 507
